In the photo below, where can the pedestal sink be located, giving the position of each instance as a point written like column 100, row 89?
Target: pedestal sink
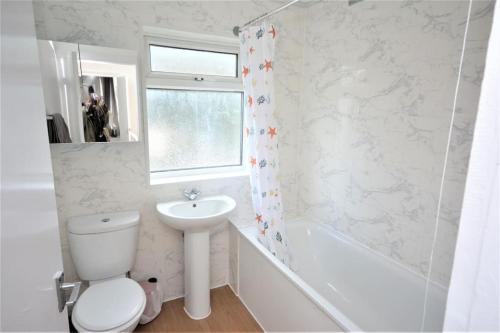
column 195, row 218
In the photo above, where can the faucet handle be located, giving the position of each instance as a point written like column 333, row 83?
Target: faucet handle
column 191, row 191
column 192, row 194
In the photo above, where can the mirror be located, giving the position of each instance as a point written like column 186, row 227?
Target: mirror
column 91, row 93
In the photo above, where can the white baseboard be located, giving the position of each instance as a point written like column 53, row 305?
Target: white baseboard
column 232, row 289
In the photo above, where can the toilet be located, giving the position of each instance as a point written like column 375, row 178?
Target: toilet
column 103, row 248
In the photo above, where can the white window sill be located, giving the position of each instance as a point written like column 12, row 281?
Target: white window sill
column 161, row 178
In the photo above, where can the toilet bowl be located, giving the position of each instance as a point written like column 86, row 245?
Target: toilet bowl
column 111, row 306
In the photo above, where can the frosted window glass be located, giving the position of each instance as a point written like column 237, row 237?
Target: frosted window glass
column 193, row 129
column 174, row 60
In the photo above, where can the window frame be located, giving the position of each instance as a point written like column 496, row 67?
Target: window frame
column 181, row 81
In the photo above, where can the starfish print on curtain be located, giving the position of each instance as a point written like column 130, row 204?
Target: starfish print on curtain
column 261, row 131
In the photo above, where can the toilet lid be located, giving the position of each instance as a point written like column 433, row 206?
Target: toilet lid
column 109, row 304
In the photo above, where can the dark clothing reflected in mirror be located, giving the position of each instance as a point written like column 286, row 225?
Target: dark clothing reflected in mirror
column 100, row 122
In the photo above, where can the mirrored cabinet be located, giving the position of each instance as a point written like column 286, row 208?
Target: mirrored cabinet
column 91, row 93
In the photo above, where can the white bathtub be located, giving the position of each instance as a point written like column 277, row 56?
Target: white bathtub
column 337, row 284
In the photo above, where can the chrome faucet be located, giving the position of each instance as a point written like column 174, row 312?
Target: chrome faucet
column 192, row 195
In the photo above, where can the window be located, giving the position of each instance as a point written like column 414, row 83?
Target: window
column 194, row 98
column 190, row 129
column 176, row 60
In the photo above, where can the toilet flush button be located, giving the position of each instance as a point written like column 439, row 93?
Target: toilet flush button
column 106, row 219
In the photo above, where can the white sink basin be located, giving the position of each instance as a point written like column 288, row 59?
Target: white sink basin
column 196, row 218
column 195, row 215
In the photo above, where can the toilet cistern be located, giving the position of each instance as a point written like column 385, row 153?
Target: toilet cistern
column 196, row 218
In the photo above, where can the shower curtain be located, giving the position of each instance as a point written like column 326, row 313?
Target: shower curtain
column 261, row 132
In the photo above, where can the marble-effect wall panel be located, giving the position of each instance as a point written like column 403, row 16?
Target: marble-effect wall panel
column 461, row 139
column 96, row 178
column 234, row 240
column 379, row 84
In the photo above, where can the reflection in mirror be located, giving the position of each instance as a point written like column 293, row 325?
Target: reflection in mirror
column 91, row 93
column 99, row 108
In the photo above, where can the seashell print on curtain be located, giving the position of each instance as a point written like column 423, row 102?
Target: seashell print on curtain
column 261, row 133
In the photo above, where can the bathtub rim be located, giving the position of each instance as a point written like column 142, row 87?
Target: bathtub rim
column 346, row 238
column 250, row 233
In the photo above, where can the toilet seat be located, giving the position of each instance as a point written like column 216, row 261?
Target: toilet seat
column 109, row 306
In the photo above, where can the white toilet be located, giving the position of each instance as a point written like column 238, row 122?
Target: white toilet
column 103, row 249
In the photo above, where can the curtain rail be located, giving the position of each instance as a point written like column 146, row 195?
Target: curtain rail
column 238, row 29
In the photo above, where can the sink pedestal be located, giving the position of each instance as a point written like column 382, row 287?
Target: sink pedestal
column 197, row 274
column 196, row 218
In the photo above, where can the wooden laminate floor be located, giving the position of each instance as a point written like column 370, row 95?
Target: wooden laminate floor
column 228, row 314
